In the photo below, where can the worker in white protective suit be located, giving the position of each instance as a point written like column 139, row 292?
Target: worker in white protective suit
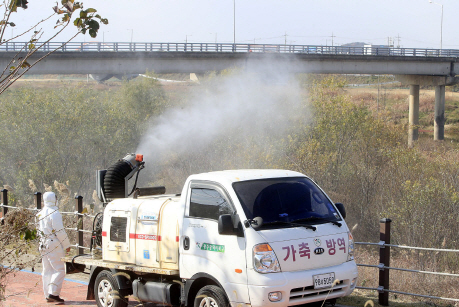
column 53, row 244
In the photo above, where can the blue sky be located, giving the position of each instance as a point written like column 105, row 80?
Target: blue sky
column 409, row 23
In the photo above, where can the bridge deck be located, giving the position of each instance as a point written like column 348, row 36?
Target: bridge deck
column 137, row 58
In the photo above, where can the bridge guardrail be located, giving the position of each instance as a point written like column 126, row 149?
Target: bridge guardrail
column 227, row 48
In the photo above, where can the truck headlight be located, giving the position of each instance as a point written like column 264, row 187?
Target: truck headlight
column 264, row 259
column 350, row 255
column 275, row 296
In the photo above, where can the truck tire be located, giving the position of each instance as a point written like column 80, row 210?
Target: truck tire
column 106, row 291
column 211, row 296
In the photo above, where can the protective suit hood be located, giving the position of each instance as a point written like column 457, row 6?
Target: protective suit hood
column 50, row 200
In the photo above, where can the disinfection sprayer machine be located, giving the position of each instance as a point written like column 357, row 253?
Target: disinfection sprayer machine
column 254, row 238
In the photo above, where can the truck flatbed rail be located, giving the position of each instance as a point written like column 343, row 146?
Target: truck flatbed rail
column 88, row 260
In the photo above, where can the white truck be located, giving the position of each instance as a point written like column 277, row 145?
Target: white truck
column 254, row 238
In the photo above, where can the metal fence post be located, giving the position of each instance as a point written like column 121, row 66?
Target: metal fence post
column 79, row 208
column 38, row 200
column 5, row 203
column 384, row 259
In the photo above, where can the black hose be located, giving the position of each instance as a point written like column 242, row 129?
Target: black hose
column 114, row 180
column 135, row 183
column 73, row 263
column 96, row 238
column 95, row 219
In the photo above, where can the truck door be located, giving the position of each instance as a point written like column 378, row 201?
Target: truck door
column 203, row 250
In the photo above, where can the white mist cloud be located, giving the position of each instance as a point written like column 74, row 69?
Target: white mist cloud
column 261, row 101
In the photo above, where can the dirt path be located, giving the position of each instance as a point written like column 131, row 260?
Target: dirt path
column 26, row 289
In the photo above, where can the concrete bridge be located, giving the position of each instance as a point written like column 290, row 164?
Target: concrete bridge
column 412, row 66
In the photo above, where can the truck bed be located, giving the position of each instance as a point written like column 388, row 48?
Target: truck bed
column 87, row 260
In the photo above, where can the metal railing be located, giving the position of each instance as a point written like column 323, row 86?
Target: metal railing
column 384, row 266
column 228, row 48
column 38, row 205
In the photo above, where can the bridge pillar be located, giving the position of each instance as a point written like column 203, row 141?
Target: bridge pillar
column 439, row 121
column 413, row 127
column 193, row 77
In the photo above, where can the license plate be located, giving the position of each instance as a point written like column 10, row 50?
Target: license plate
column 323, row 280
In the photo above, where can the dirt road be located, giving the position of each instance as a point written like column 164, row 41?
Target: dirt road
column 25, row 288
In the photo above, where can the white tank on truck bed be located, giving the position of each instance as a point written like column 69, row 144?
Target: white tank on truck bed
column 142, row 231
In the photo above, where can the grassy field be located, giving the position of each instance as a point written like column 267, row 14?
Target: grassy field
column 389, row 102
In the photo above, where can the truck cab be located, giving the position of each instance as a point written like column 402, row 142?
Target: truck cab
column 266, row 237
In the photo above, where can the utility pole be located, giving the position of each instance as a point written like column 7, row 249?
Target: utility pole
column 234, row 21
column 132, row 34
column 441, row 23
column 389, row 41
column 215, row 36
column 398, row 40
column 285, row 36
column 332, row 36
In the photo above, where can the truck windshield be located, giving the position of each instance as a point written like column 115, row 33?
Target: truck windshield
column 285, row 200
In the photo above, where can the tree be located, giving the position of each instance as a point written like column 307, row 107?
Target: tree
column 86, row 22
column 16, row 226
column 79, row 130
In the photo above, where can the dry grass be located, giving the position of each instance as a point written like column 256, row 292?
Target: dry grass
column 396, row 102
column 361, row 298
column 364, row 97
column 426, row 103
column 14, row 251
column 410, row 282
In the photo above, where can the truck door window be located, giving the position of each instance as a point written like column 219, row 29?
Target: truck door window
column 208, row 204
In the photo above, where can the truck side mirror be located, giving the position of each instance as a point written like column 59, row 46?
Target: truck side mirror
column 225, row 224
column 341, row 209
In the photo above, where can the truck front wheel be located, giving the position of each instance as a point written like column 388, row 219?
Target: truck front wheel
column 211, row 296
column 106, row 291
